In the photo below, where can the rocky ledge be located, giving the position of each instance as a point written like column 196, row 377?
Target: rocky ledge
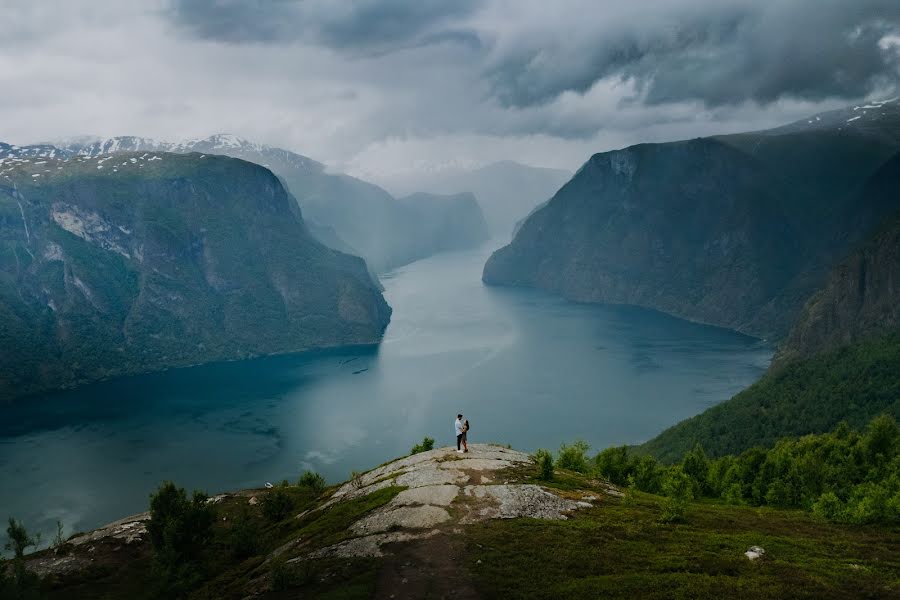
column 444, row 490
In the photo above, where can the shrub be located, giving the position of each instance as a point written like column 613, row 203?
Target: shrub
column 696, row 466
column 828, row 507
column 312, row 481
column 544, row 461
column 243, row 537
column 646, row 475
column 426, row 445
column 277, row 504
column 179, row 530
column 356, row 479
column 59, row 539
column 613, row 464
column 573, row 457
column 678, row 488
column 18, row 538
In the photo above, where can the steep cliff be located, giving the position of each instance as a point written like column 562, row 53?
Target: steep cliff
column 860, row 300
column 735, row 231
column 361, row 215
column 840, row 362
column 134, row 262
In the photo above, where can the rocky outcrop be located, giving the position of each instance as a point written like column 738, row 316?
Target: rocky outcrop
column 134, row 262
column 479, row 486
column 736, row 231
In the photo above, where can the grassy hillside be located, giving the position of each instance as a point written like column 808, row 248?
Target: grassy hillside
column 663, row 543
column 853, row 384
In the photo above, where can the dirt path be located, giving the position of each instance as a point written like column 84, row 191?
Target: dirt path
column 430, row 568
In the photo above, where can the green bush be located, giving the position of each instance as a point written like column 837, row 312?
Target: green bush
column 312, row 481
column 829, row 507
column 179, row 530
column 678, row 487
column 843, row 476
column 277, row 504
column 646, row 475
column 243, row 537
column 614, row 465
column 573, row 457
column 426, row 445
column 544, row 461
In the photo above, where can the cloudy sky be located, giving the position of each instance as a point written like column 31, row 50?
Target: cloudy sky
column 382, row 88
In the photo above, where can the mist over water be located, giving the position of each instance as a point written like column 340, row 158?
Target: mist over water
column 527, row 368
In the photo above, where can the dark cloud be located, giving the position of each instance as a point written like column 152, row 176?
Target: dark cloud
column 372, row 25
column 708, row 50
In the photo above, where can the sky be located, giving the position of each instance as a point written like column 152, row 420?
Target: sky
column 384, row 89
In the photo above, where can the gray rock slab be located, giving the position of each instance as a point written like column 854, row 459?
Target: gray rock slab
column 511, row 501
column 432, row 475
column 407, row 517
column 435, row 495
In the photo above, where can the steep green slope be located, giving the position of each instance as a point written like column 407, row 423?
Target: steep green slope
column 142, row 261
column 735, row 231
column 853, row 383
column 840, row 361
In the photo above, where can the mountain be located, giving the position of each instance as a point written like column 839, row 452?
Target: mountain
column 140, row 261
column 507, row 190
column 840, row 361
column 342, row 210
column 735, row 231
column 861, row 298
column 449, row 221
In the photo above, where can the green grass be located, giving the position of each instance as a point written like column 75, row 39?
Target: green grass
column 619, row 550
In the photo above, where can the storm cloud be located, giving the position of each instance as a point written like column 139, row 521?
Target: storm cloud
column 362, row 25
column 389, row 87
column 718, row 52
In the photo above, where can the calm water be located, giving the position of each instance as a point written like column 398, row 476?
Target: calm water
column 527, row 368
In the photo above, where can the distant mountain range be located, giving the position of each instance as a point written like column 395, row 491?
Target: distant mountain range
column 113, row 264
column 348, row 214
column 736, row 231
column 506, row 190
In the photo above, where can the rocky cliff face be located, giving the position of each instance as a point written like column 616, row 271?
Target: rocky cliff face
column 735, row 231
column 862, row 296
column 343, row 212
column 134, row 262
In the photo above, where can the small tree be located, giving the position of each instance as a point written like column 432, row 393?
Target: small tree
column 18, row 538
column 426, row 445
column 573, row 457
column 179, row 530
column 277, row 504
column 544, row 461
column 613, row 464
column 679, row 491
column 312, row 481
column 696, row 466
column 243, row 537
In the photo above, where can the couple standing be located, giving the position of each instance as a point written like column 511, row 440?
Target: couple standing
column 462, row 432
